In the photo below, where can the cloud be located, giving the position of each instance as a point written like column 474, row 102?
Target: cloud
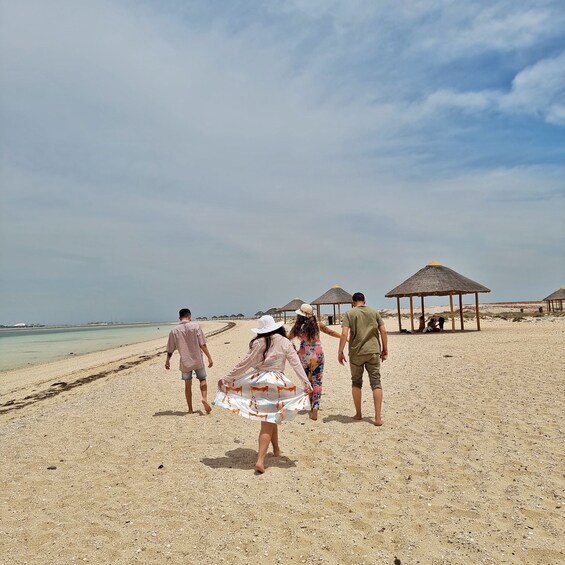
column 158, row 153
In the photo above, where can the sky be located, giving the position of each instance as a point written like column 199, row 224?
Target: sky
column 229, row 156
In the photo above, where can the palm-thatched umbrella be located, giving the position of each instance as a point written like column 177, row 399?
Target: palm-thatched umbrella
column 336, row 295
column 555, row 299
column 274, row 312
column 259, row 313
column 436, row 280
column 292, row 306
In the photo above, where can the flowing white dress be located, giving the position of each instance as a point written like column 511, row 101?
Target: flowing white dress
column 258, row 389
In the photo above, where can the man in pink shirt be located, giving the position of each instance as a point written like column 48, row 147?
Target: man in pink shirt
column 189, row 340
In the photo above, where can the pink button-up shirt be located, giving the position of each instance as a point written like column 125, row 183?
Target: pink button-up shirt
column 187, row 338
column 280, row 352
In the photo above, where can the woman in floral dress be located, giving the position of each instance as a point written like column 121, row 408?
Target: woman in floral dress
column 257, row 388
column 307, row 329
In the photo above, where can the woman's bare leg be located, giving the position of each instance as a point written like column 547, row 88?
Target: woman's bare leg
column 265, row 436
column 275, row 441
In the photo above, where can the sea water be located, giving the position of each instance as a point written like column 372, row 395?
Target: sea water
column 30, row 346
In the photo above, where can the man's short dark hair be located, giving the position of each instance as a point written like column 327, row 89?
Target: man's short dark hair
column 358, row 297
column 184, row 312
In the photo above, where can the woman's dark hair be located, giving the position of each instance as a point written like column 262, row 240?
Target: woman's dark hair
column 268, row 340
column 306, row 326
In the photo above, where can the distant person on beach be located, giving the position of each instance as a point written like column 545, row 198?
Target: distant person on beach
column 366, row 331
column 307, row 328
column 422, row 325
column 189, row 340
column 257, row 388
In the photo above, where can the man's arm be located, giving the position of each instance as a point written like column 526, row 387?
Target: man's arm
column 342, row 342
column 384, row 341
column 168, row 361
column 204, row 349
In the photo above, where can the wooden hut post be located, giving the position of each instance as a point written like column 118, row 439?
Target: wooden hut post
column 334, row 313
column 411, row 313
column 477, row 311
column 339, row 314
column 398, row 310
column 285, row 316
column 422, row 303
column 318, row 311
column 461, row 311
column 452, row 312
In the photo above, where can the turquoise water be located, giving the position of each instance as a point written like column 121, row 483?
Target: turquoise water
column 30, row 346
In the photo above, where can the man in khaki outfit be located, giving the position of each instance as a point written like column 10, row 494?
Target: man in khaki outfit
column 364, row 325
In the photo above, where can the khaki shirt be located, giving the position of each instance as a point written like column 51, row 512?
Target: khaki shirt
column 364, row 338
column 187, row 338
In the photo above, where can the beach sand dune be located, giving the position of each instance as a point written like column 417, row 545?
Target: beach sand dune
column 468, row 467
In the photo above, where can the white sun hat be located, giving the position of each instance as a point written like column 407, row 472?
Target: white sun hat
column 267, row 324
column 305, row 310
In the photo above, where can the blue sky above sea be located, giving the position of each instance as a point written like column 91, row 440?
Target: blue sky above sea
column 229, row 156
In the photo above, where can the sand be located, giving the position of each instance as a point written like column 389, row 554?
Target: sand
column 468, row 467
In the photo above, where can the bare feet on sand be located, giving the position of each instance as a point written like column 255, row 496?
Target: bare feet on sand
column 277, row 453
column 207, row 407
column 379, row 422
column 357, row 417
column 259, row 468
column 314, row 414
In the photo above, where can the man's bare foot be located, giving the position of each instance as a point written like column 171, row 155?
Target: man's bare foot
column 190, row 411
column 314, row 414
column 277, row 452
column 357, row 417
column 378, row 422
column 207, row 407
column 259, row 468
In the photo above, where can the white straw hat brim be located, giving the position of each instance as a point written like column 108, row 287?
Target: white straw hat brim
column 268, row 329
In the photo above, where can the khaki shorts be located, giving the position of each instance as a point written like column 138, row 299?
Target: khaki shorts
column 373, row 365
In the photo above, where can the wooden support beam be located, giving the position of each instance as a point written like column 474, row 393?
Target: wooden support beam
column 422, row 304
column 452, row 312
column 411, row 313
column 477, row 311
column 461, row 312
column 398, row 310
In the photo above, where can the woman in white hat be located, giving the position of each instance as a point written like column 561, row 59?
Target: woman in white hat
column 257, row 388
column 307, row 329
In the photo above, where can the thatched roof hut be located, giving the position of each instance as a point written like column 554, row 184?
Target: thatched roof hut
column 259, row 313
column 292, row 306
column 555, row 300
column 274, row 312
column 334, row 296
column 437, row 280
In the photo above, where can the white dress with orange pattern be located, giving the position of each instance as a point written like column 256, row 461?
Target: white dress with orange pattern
column 258, row 389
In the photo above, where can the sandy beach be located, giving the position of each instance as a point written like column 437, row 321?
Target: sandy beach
column 467, row 469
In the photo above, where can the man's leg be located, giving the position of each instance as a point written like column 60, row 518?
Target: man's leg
column 374, row 369
column 356, row 393
column 356, row 384
column 378, row 399
column 265, row 437
column 188, row 394
column 201, row 375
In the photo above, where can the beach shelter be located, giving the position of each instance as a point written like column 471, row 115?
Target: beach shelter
column 292, row 306
column 259, row 313
column 336, row 296
column 437, row 280
column 274, row 312
column 555, row 300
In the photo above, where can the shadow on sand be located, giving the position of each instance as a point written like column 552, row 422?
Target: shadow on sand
column 174, row 413
column 347, row 419
column 243, row 458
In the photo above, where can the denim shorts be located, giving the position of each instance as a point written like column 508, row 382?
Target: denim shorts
column 200, row 375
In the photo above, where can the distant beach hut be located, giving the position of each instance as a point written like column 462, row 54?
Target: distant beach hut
column 437, row 280
column 259, row 314
column 274, row 312
column 555, row 300
column 336, row 296
column 292, row 306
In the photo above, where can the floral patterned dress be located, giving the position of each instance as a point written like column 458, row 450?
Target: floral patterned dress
column 311, row 356
column 258, row 389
